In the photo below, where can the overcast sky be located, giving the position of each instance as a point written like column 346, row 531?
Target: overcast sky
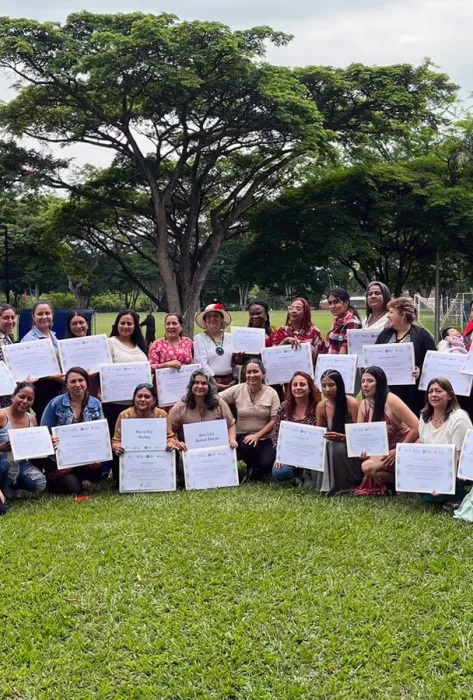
column 330, row 32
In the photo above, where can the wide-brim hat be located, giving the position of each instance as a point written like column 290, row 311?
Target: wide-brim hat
column 219, row 308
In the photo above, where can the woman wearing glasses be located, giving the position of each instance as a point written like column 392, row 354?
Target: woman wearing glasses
column 299, row 328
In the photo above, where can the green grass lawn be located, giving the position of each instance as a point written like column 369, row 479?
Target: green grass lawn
column 260, row 592
column 322, row 319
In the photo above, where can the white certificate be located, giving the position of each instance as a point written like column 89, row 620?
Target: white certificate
column 465, row 464
column 119, row 381
column 7, row 382
column 248, row 340
column 210, row 469
column 36, row 359
column 359, row 337
column 449, row 366
column 141, row 434
column 301, row 446
column 397, row 360
column 172, row 383
column 425, row 468
column 371, row 438
column 89, row 353
column 82, row 443
column 147, row 471
column 212, row 433
column 468, row 362
column 30, row 443
column 345, row 364
column 282, row 362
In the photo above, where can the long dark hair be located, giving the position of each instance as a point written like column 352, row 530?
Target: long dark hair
column 314, row 395
column 341, row 414
column 382, row 391
column 428, row 410
column 211, row 400
column 343, row 295
column 84, row 375
column 137, row 335
column 384, row 291
column 69, row 333
column 267, row 325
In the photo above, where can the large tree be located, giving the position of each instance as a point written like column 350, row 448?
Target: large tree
column 380, row 221
column 200, row 127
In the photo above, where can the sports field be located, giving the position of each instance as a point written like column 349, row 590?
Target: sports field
column 322, row 319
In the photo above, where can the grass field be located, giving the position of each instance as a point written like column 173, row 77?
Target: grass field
column 260, row 592
column 322, row 319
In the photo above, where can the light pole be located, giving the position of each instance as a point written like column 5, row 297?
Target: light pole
column 6, row 265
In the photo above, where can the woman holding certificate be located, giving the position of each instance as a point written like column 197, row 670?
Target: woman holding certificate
column 258, row 312
column 401, row 329
column 173, row 350
column 7, row 326
column 144, row 406
column 47, row 387
column 341, row 473
column 213, row 347
column 345, row 318
column 378, row 297
column 76, row 405
column 300, row 406
column 299, row 329
column 126, row 344
column 22, row 474
column 443, row 422
column 201, row 403
column 382, row 405
column 256, row 407
column 77, row 325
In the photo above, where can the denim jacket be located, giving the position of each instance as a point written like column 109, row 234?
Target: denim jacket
column 36, row 334
column 59, row 411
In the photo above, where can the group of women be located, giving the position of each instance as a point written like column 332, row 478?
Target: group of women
column 232, row 387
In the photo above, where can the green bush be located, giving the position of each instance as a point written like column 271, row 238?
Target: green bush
column 108, row 302
column 61, row 300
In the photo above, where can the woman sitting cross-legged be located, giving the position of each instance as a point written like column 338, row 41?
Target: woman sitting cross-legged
column 443, row 422
column 22, row 474
column 256, row 407
column 201, row 403
column 342, row 473
column 144, row 406
column 300, row 406
column 76, row 405
column 380, row 404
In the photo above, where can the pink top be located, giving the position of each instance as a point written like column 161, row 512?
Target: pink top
column 161, row 351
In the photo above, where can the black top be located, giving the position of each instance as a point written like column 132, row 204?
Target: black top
column 149, row 322
column 422, row 341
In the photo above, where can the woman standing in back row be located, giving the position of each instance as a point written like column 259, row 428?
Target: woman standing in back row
column 46, row 388
column 299, row 329
column 7, row 326
column 378, row 297
column 345, row 318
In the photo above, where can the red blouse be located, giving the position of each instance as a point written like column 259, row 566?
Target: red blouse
column 161, row 351
column 311, row 334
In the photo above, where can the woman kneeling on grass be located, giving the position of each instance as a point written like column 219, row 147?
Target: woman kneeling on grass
column 144, row 406
column 300, row 406
column 256, row 408
column 443, row 422
column 201, row 403
column 22, row 474
column 74, row 406
column 342, row 473
column 380, row 404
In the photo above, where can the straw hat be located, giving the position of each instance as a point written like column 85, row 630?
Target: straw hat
column 219, row 308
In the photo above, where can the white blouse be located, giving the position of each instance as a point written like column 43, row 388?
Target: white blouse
column 377, row 325
column 452, row 432
column 205, row 354
column 122, row 354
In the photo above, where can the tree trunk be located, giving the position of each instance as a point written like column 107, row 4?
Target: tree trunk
column 243, row 290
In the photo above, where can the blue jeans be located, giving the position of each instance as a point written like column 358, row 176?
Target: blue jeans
column 4, row 468
column 285, row 472
column 26, row 476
